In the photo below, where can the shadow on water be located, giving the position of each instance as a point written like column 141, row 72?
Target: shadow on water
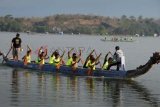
column 108, row 88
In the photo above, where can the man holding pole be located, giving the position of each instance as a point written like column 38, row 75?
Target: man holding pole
column 16, row 46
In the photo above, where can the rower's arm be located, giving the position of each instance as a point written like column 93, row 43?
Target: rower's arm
column 46, row 51
column 106, row 57
column 28, row 48
column 90, row 55
column 23, row 57
column 53, row 53
column 45, row 55
column 39, row 50
column 63, row 54
column 91, row 52
column 69, row 52
column 80, row 53
column 98, row 57
column 11, row 44
column 79, row 56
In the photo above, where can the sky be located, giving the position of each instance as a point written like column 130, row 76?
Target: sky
column 112, row 8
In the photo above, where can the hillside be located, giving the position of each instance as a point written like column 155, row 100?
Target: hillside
column 84, row 24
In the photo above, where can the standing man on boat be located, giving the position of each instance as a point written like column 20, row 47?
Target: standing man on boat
column 16, row 46
column 119, row 59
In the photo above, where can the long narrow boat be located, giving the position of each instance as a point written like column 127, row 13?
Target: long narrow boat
column 118, row 40
column 84, row 71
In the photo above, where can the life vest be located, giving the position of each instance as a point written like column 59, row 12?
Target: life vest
column 28, row 59
column 69, row 62
column 40, row 60
column 105, row 66
column 37, row 60
column 56, row 61
column 51, row 59
column 91, row 65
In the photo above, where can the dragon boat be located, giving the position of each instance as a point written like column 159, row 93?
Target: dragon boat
column 80, row 71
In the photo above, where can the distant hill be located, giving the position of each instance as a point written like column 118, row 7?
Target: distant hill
column 83, row 24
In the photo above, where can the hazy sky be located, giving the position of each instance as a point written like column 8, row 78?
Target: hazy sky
column 28, row 8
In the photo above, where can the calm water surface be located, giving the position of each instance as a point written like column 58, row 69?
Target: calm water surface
column 24, row 88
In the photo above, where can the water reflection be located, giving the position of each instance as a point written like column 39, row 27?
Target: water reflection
column 59, row 89
column 41, row 84
column 114, row 91
column 56, row 82
column 73, row 86
column 27, row 79
column 143, row 93
column 14, row 88
column 117, row 87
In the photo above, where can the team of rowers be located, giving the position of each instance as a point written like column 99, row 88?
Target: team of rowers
column 73, row 58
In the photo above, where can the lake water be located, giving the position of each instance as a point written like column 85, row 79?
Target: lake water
column 24, row 88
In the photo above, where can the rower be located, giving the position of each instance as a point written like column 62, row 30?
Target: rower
column 107, row 61
column 42, row 55
column 57, row 61
column 74, row 60
column 27, row 58
column 52, row 57
column 92, row 62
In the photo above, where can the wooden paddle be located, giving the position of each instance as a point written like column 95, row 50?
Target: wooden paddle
column 7, row 54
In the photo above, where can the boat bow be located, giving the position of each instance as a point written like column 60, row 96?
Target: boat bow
column 142, row 69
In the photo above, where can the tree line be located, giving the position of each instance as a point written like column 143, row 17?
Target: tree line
column 84, row 24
